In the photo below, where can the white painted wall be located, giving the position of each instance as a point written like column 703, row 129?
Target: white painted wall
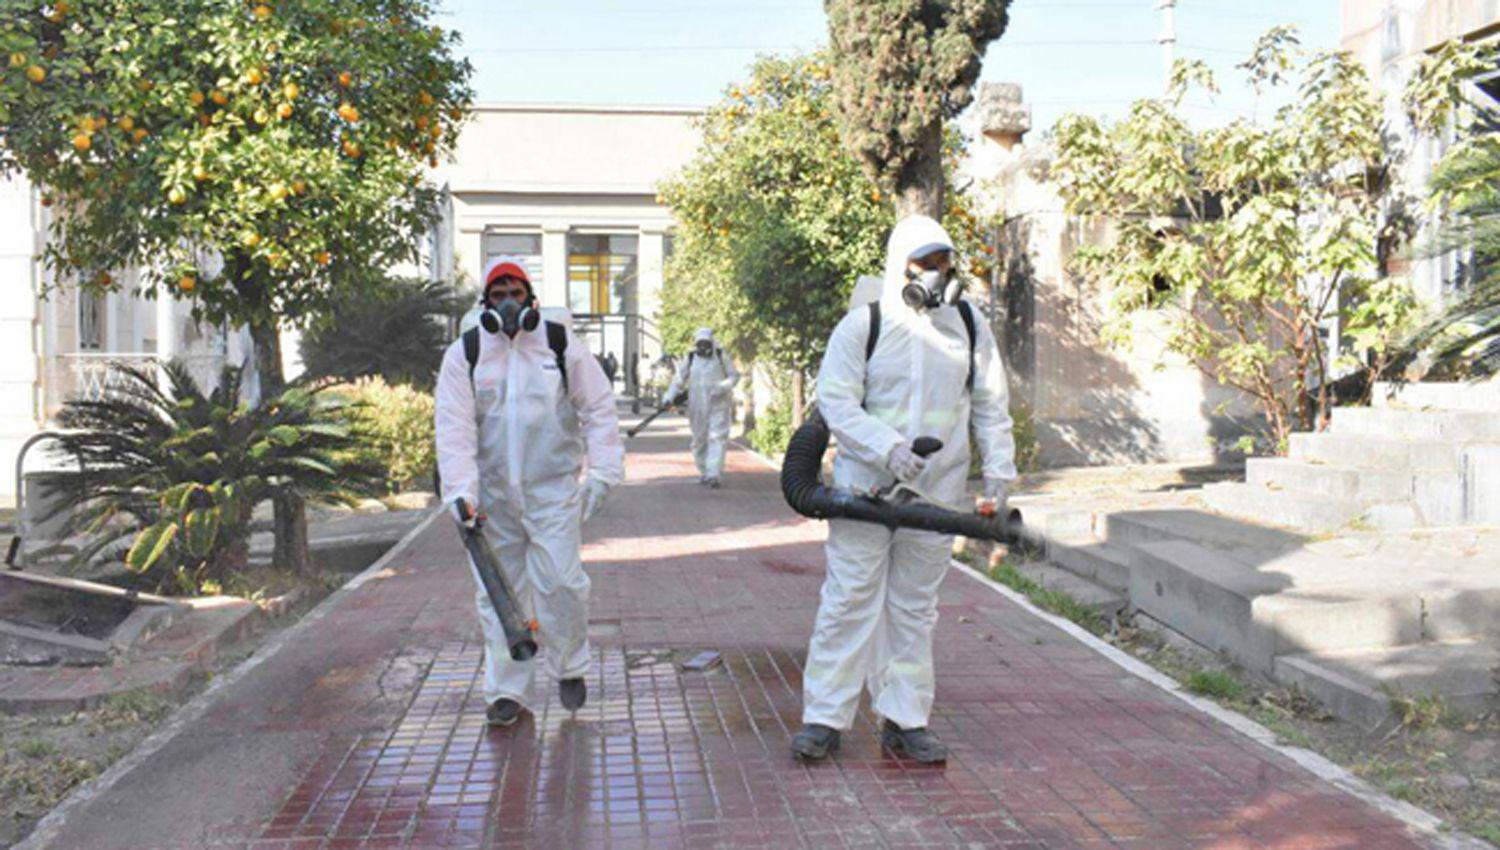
column 19, row 325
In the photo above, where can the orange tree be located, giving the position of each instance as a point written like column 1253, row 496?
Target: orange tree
column 257, row 159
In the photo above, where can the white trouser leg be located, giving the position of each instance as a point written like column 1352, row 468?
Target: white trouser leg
column 698, row 421
column 718, row 440
column 504, row 676
column 902, row 680
column 560, row 586
column 839, row 654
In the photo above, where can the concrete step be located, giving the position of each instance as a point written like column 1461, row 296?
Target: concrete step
column 1449, row 425
column 1103, row 564
column 1359, row 685
column 1239, row 538
column 1483, row 396
column 1335, row 482
column 1378, row 453
column 1102, row 599
column 1310, row 512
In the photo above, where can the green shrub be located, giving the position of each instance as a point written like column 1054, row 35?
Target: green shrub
column 1023, row 428
column 774, row 427
column 177, row 472
column 394, row 425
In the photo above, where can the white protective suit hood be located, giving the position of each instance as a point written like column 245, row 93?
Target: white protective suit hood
column 911, row 235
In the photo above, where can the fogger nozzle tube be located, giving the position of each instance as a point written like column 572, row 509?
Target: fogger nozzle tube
column 804, row 491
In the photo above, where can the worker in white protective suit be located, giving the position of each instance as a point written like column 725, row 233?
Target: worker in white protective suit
column 709, row 377
column 933, row 371
column 520, row 402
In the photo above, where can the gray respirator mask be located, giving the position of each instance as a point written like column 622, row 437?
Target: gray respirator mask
column 511, row 317
column 931, row 289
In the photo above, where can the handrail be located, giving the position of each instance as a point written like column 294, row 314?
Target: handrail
column 14, row 557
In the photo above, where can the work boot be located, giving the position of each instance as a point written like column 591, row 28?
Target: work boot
column 572, row 693
column 815, row 741
column 920, row 745
column 713, row 482
column 503, row 712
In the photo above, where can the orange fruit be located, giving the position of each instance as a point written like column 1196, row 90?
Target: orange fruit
column 46, row 200
column 139, row 134
column 277, row 190
column 346, row 79
column 284, row 111
column 218, row 97
column 424, row 98
column 196, row 98
column 17, row 60
column 199, row 172
column 255, row 76
column 177, row 196
column 353, row 150
column 298, row 187
column 36, row 73
column 186, row 283
column 262, row 116
column 349, row 113
column 261, row 12
column 323, row 258
column 422, row 122
column 290, row 91
column 251, row 239
column 125, row 123
column 82, row 142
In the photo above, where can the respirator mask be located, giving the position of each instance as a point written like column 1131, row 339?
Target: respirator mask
column 932, row 288
column 703, row 347
column 510, row 315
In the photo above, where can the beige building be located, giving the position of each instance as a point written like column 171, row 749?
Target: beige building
column 1389, row 37
column 573, row 190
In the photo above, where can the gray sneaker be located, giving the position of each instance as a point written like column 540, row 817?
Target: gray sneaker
column 920, row 745
column 573, row 693
column 503, row 712
column 815, row 741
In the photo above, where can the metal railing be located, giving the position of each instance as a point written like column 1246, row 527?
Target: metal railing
column 93, row 376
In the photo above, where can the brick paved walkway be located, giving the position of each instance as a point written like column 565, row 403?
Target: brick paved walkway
column 369, row 731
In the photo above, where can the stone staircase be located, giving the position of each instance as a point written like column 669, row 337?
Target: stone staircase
column 1404, row 600
column 1425, row 455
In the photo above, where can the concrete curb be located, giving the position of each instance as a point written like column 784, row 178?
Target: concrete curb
column 47, row 828
column 1424, row 823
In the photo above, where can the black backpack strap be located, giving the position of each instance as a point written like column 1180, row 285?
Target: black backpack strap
column 966, row 312
column 557, row 340
column 874, row 334
column 471, row 350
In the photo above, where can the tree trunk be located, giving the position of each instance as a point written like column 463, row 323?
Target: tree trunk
column 290, row 523
column 919, row 186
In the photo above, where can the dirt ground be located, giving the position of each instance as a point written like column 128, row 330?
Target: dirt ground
column 44, row 758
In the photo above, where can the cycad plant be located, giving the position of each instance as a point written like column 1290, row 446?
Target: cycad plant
column 397, row 332
column 174, row 473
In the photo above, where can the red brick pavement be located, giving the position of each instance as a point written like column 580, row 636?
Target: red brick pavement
column 369, row 731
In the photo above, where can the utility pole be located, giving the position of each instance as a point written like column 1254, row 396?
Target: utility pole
column 1168, row 38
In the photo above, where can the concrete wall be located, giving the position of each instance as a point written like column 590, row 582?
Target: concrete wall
column 1093, row 403
column 20, row 363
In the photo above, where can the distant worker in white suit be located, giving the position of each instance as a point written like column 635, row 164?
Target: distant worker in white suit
column 709, row 377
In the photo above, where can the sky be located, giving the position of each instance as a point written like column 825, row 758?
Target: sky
column 1093, row 56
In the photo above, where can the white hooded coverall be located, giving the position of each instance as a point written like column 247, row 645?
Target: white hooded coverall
column 879, row 599
column 709, row 382
column 513, row 443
